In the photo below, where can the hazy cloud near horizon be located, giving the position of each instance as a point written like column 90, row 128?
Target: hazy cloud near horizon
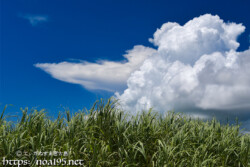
column 196, row 65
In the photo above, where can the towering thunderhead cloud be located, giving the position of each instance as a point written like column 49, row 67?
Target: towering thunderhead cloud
column 195, row 66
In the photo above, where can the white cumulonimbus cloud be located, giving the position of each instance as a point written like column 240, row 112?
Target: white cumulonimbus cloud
column 196, row 66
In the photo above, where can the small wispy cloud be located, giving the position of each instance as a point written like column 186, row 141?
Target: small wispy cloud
column 34, row 19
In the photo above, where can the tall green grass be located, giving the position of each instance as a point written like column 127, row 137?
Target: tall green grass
column 106, row 136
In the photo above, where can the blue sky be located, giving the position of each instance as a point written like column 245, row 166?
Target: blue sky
column 54, row 31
